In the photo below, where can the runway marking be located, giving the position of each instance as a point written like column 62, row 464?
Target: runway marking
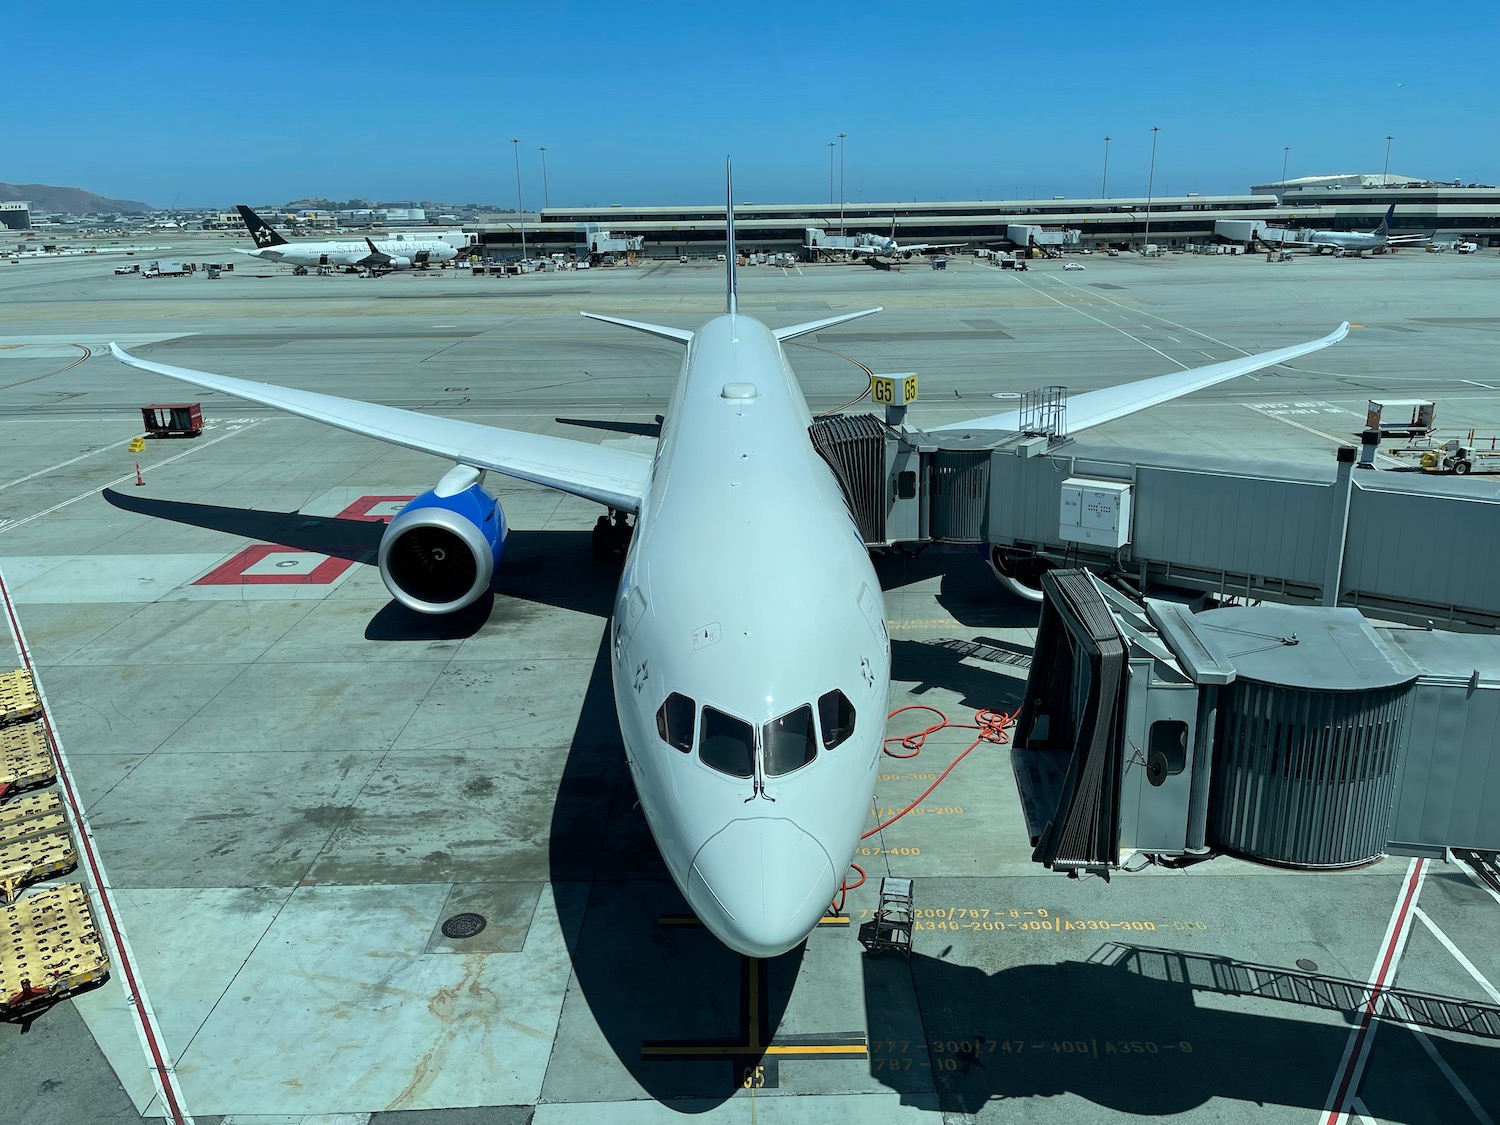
column 1396, row 1006
column 158, row 1059
column 1491, row 990
column 1319, row 433
column 1477, row 383
column 1362, row 1035
column 64, row 464
column 11, row 525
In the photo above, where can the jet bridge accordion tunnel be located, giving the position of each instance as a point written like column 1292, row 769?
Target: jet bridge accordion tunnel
column 1303, row 737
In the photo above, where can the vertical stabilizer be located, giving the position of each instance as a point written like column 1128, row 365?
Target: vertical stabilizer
column 260, row 230
column 1385, row 223
column 732, row 295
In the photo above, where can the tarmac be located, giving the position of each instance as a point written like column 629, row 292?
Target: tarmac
column 292, row 782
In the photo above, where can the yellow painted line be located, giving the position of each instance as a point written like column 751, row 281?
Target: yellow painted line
column 735, row 1049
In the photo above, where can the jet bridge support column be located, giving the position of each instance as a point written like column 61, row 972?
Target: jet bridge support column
column 1338, row 534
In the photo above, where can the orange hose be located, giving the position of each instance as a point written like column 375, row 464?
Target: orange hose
column 993, row 727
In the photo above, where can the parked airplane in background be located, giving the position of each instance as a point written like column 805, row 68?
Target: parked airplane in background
column 748, row 645
column 1355, row 242
column 869, row 245
column 396, row 252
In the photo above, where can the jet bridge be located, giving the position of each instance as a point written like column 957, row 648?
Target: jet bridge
column 1300, row 736
column 1398, row 546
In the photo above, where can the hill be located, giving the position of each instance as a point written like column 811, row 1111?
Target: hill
column 73, row 201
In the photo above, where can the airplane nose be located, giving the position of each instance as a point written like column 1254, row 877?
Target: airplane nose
column 761, row 885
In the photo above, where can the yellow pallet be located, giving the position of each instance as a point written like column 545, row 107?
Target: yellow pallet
column 33, row 859
column 49, row 946
column 17, row 814
column 18, row 698
column 25, row 758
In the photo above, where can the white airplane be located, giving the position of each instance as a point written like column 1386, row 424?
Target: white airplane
column 870, row 245
column 748, row 645
column 1356, row 242
column 399, row 253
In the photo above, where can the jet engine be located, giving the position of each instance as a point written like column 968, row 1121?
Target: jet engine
column 440, row 553
column 399, row 262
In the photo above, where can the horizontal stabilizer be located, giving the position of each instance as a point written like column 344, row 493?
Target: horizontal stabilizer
column 681, row 335
column 1094, row 408
column 795, row 330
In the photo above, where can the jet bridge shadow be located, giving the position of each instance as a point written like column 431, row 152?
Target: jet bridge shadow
column 552, row 568
column 966, row 590
column 646, row 972
column 1125, row 1030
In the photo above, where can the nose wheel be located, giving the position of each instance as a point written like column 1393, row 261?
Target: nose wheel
column 611, row 536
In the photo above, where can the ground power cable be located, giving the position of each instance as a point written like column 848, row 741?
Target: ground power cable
column 993, row 727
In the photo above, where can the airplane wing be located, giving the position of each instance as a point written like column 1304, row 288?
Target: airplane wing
column 1094, row 408
column 604, row 474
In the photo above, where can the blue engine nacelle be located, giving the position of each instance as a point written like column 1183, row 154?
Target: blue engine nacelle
column 440, row 553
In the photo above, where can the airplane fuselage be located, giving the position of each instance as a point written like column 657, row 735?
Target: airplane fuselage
column 749, row 601
column 351, row 253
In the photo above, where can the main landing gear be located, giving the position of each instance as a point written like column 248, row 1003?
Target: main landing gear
column 612, row 536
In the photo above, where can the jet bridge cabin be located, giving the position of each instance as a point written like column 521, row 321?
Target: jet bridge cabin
column 1303, row 737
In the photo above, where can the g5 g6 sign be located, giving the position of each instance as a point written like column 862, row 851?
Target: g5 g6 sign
column 893, row 390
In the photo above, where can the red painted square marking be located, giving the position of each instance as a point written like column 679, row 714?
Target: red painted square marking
column 245, row 569
column 271, row 564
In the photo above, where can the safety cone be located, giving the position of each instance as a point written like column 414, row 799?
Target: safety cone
column 139, row 480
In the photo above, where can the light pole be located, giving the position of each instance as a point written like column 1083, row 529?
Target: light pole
column 1104, row 184
column 1384, row 171
column 543, row 151
column 1285, row 152
column 1150, row 184
column 841, row 185
column 831, row 147
column 515, row 144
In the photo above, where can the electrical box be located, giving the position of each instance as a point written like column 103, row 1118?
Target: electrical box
column 1096, row 512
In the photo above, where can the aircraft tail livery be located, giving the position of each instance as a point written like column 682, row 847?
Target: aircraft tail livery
column 261, row 232
column 1385, row 223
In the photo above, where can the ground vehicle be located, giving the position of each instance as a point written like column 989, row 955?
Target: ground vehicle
column 1073, row 266
column 940, row 263
column 165, row 269
column 1462, row 456
column 135, row 268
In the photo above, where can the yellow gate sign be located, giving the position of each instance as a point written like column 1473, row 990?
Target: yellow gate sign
column 893, row 390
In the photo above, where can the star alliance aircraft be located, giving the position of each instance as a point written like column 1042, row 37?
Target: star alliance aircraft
column 748, row 645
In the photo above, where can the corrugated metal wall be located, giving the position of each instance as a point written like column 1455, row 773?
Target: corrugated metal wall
column 1417, row 546
column 1305, row 778
column 960, row 495
column 1448, row 794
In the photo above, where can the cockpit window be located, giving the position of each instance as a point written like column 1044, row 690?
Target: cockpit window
column 674, row 722
column 727, row 744
column 789, row 742
column 836, row 717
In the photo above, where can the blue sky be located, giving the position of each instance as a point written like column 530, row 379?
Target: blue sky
column 639, row 103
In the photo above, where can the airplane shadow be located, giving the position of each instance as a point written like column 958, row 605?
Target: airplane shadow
column 1125, row 1030
column 643, row 968
column 553, row 568
column 939, row 663
column 646, row 971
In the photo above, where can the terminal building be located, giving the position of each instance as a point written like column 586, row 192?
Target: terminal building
column 1355, row 203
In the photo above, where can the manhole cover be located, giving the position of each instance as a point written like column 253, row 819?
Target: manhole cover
column 463, row 925
column 1302, row 962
